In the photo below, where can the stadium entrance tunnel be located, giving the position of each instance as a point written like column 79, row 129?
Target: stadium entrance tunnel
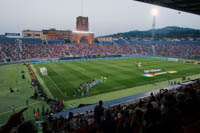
column 86, row 37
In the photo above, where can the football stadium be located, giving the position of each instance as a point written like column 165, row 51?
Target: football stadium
column 60, row 81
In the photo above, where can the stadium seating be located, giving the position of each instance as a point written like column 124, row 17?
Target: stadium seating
column 56, row 42
column 57, row 48
column 7, row 40
column 106, row 42
column 175, row 111
column 132, row 42
column 150, row 114
column 119, row 42
column 145, row 115
column 11, row 51
column 31, row 41
column 1, row 59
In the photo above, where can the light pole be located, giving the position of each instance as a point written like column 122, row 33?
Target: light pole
column 154, row 14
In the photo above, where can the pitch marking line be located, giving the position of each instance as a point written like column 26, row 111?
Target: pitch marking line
column 56, row 86
column 18, row 108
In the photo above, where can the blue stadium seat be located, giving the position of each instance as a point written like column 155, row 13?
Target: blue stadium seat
column 120, row 42
column 132, row 42
column 56, row 42
column 106, row 42
column 8, row 40
column 31, row 41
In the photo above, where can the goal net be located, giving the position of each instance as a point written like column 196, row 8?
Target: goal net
column 139, row 64
column 43, row 71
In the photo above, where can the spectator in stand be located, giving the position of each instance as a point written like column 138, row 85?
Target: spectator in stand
column 108, row 125
column 170, row 116
column 17, row 52
column 14, row 121
column 98, row 111
column 161, row 112
column 180, row 105
column 26, row 127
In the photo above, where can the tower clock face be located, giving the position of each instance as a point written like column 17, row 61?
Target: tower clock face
column 83, row 21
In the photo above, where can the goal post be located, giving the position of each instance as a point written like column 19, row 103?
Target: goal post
column 139, row 64
column 43, row 71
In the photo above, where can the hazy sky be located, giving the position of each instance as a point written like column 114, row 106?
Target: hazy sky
column 105, row 16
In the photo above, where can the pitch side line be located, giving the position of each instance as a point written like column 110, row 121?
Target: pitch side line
column 18, row 108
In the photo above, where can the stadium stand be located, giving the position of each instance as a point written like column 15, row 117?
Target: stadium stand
column 175, row 111
column 119, row 42
column 31, row 41
column 106, row 42
column 132, row 42
column 169, row 111
column 56, row 42
column 30, row 51
column 34, row 49
column 11, row 51
column 148, row 114
column 7, row 40
column 183, row 51
column 1, row 59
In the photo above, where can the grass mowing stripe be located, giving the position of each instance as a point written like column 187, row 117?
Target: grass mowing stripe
column 120, row 73
column 60, row 75
column 56, row 86
column 111, row 69
column 51, row 78
column 121, row 93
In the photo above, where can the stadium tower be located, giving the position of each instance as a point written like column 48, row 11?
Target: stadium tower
column 82, row 34
column 82, row 24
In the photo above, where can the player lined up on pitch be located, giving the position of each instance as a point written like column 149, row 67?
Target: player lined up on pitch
column 84, row 88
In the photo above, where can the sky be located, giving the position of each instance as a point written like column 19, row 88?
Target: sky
column 105, row 16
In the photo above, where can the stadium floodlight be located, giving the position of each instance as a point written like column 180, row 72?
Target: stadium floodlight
column 154, row 12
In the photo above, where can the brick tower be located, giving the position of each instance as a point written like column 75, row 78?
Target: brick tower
column 82, row 34
column 82, row 24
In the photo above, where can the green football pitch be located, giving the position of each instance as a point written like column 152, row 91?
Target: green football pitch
column 10, row 76
column 63, row 78
column 124, row 78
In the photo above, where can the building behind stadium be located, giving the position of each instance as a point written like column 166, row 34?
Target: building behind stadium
column 81, row 34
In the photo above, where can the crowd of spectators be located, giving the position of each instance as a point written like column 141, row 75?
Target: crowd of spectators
column 10, row 51
column 30, row 51
column 1, row 56
column 183, row 51
column 40, row 51
column 168, row 111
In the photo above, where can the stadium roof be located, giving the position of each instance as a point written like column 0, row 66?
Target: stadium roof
column 190, row 6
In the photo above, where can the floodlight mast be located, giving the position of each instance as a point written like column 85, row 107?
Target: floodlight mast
column 154, row 14
column 82, row 7
column 153, row 28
